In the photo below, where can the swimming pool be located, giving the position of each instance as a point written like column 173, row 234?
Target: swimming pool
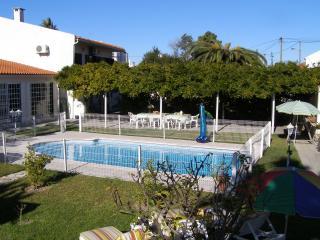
column 125, row 154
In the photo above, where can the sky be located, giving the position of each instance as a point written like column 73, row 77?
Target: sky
column 139, row 25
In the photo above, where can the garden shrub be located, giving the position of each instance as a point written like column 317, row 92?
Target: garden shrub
column 35, row 167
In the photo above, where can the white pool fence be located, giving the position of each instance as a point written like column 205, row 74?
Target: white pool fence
column 68, row 160
column 228, row 131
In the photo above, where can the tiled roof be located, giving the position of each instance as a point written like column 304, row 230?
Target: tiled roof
column 99, row 43
column 13, row 68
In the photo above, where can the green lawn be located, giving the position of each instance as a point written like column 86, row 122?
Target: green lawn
column 277, row 154
column 6, row 169
column 227, row 137
column 44, row 129
column 67, row 207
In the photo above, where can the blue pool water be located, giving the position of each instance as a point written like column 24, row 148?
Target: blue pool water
column 125, row 154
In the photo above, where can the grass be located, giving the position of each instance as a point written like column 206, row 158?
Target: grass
column 227, row 137
column 44, row 129
column 70, row 205
column 6, row 169
column 277, row 154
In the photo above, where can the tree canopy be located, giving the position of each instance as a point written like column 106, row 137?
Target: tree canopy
column 189, row 80
column 48, row 23
column 209, row 49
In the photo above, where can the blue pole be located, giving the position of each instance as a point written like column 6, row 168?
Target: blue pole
column 203, row 126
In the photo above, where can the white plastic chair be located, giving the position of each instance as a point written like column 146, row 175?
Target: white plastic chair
column 253, row 227
column 191, row 120
column 135, row 120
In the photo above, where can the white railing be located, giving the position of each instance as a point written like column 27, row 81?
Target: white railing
column 229, row 131
column 258, row 143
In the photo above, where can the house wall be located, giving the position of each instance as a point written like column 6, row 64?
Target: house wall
column 19, row 40
column 25, row 82
column 313, row 60
column 83, row 48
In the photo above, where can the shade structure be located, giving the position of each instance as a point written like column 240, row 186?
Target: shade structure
column 289, row 191
column 298, row 108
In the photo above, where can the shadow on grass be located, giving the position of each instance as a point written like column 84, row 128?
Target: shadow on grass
column 12, row 196
column 11, row 200
column 53, row 177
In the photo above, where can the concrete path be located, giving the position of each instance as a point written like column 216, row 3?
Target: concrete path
column 12, row 177
column 309, row 155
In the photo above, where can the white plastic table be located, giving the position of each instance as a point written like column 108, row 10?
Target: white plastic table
column 147, row 116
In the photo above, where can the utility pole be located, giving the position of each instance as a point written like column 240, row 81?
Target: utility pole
column 271, row 57
column 299, row 52
column 281, row 43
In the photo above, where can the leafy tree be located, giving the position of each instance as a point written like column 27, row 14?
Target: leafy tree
column 209, row 37
column 209, row 49
column 48, row 23
column 155, row 56
column 91, row 79
column 182, row 81
column 182, row 47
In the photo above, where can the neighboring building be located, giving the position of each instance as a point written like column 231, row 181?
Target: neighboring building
column 52, row 50
column 28, row 89
column 313, row 60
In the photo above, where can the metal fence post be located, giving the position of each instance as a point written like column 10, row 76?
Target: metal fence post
column 80, row 123
column 119, row 120
column 261, row 143
column 139, row 162
column 213, row 130
column 65, row 121
column 250, row 146
column 164, row 130
column 105, row 96
column 65, row 155
column 269, row 134
column 4, row 148
column 234, row 167
column 34, row 125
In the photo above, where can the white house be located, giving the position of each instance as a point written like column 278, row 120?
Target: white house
column 27, row 89
column 313, row 60
column 51, row 50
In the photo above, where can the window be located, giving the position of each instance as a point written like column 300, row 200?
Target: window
column 10, row 99
column 78, row 58
column 42, row 99
column 3, row 101
column 14, row 96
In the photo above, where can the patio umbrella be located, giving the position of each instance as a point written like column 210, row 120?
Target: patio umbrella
column 289, row 191
column 297, row 108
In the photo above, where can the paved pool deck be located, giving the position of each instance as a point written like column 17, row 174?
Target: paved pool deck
column 309, row 155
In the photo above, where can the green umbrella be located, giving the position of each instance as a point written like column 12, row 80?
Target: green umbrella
column 298, row 108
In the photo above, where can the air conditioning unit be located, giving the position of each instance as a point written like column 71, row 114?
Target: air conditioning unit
column 42, row 49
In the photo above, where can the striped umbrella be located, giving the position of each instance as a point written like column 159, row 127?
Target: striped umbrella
column 289, row 191
column 298, row 108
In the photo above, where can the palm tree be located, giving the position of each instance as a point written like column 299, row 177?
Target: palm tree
column 215, row 51
column 48, row 23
